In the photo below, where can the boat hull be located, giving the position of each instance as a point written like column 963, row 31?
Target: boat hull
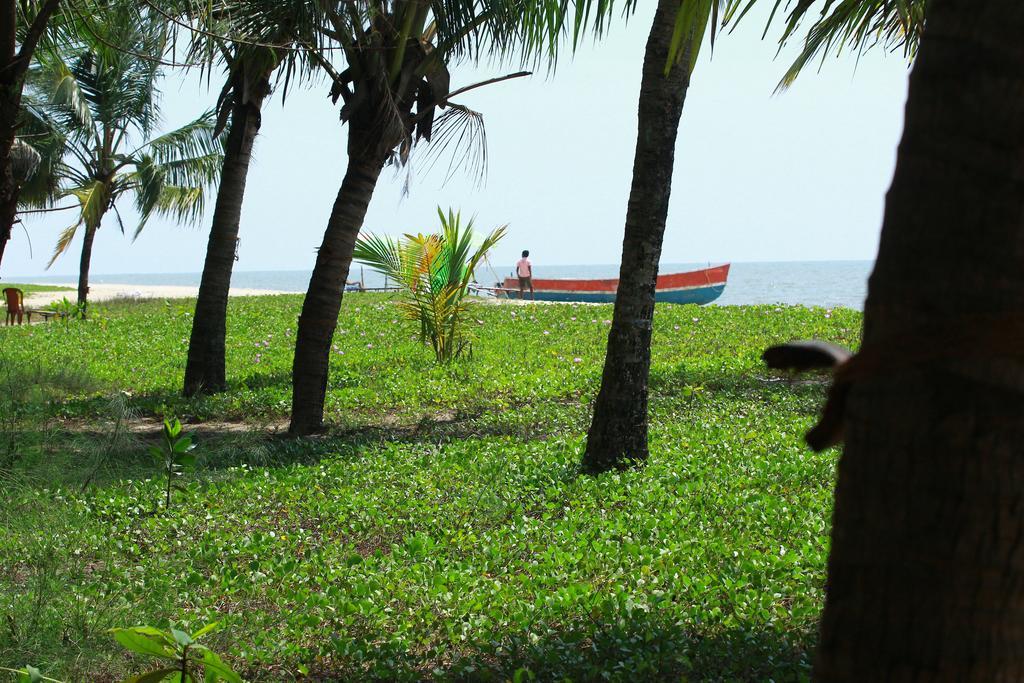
column 692, row 287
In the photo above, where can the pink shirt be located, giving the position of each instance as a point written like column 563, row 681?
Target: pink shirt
column 523, row 268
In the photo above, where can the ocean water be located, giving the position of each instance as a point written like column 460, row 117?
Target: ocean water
column 809, row 283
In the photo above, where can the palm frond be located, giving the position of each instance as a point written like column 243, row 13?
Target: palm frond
column 458, row 241
column 481, row 253
column 148, row 181
column 174, row 170
column 195, row 139
column 64, row 241
column 25, row 161
column 548, row 22
column 202, row 171
column 93, row 200
column 381, row 253
column 253, row 39
column 185, row 204
column 156, row 193
column 460, row 134
column 42, row 188
column 857, row 25
column 56, row 77
column 115, row 64
column 127, row 92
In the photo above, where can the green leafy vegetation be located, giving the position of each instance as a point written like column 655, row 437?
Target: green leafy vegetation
column 441, row 528
column 174, row 455
column 179, row 656
column 434, row 272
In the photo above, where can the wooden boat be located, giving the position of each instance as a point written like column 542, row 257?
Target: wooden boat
column 693, row 287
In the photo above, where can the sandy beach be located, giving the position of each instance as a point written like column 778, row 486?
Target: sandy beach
column 110, row 291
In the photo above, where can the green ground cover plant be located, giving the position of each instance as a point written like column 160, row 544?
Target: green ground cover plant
column 441, row 528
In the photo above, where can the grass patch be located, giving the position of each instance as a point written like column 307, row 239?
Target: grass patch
column 440, row 529
column 35, row 288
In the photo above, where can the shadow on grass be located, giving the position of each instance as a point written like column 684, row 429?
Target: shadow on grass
column 86, row 452
column 264, row 442
column 673, row 382
column 637, row 647
column 262, row 380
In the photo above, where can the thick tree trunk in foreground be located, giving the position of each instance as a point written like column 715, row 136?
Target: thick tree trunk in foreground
column 83, row 269
column 323, row 299
column 618, row 433
column 8, row 213
column 205, row 369
column 11, row 82
column 926, row 573
column 14, row 61
column 9, row 106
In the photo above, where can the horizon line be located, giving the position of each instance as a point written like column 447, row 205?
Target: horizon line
column 74, row 276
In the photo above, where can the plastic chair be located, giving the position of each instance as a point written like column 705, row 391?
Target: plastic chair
column 15, row 299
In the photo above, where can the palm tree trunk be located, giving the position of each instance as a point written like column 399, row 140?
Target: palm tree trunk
column 618, row 433
column 83, row 269
column 11, row 84
column 14, row 61
column 205, row 369
column 8, row 211
column 323, row 298
column 926, row 565
column 10, row 101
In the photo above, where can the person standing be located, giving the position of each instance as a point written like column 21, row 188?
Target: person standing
column 525, row 272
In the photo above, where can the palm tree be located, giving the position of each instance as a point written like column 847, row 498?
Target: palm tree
column 103, row 103
column 247, row 85
column 618, row 431
column 924, row 575
column 23, row 25
column 435, row 272
column 250, row 62
column 395, row 80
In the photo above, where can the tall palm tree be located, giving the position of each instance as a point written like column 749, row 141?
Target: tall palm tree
column 618, row 431
column 23, row 25
column 924, row 575
column 247, row 86
column 395, row 79
column 250, row 55
column 103, row 102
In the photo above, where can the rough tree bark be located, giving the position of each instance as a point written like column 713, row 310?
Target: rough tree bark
column 14, row 63
column 83, row 269
column 322, row 304
column 926, row 572
column 8, row 198
column 205, row 369
column 618, row 432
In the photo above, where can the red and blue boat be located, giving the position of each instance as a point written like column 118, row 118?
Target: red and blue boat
column 692, row 287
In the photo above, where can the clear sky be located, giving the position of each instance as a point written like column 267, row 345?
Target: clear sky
column 759, row 176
